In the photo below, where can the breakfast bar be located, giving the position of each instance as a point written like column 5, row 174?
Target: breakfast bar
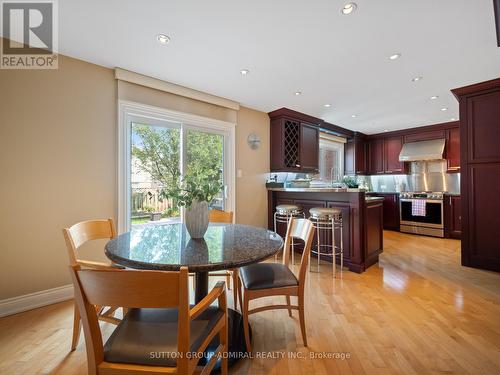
column 362, row 221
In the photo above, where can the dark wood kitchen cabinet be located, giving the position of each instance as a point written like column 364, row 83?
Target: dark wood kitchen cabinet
column 294, row 142
column 452, row 216
column 376, row 156
column 480, row 173
column 309, row 147
column 453, row 150
column 384, row 156
column 355, row 156
column 392, row 148
column 391, row 209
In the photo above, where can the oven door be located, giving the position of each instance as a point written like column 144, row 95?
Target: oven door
column 433, row 214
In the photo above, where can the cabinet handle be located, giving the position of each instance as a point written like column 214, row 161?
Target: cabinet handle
column 397, row 170
column 359, row 172
column 380, row 172
column 388, row 171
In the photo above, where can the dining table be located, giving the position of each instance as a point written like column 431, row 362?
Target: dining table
column 168, row 247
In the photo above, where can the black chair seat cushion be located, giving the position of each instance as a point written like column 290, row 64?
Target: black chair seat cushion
column 149, row 336
column 267, row 275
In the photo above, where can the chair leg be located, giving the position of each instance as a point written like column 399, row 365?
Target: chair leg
column 275, row 231
column 224, row 341
column 235, row 288
column 318, row 250
column 334, row 250
column 289, row 307
column 302, row 319
column 239, row 293
column 77, row 322
column 341, row 247
column 245, row 322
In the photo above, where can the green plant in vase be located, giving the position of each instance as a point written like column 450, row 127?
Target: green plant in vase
column 195, row 192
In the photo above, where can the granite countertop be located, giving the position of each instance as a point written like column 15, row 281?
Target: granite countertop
column 383, row 192
column 168, row 247
column 318, row 190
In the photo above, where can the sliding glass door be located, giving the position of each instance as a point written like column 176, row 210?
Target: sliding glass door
column 155, row 165
column 159, row 153
column 204, row 154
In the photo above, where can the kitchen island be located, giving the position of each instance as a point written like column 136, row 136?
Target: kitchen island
column 362, row 219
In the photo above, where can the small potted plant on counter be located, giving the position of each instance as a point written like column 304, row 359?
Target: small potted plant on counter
column 351, row 182
column 194, row 193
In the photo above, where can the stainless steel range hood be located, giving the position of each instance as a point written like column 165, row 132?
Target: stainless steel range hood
column 423, row 150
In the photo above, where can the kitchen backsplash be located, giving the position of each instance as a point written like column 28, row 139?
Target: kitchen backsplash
column 424, row 176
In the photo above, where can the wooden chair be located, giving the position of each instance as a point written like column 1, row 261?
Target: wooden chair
column 75, row 237
column 219, row 216
column 276, row 279
column 160, row 333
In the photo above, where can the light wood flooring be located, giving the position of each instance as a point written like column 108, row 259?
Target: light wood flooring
column 416, row 312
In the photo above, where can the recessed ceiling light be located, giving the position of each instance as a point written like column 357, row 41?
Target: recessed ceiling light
column 444, row 109
column 395, row 56
column 297, row 93
column 386, row 130
column 327, row 105
column 244, row 72
column 453, row 119
column 354, row 116
column 163, row 39
column 416, row 79
column 434, row 97
column 349, row 8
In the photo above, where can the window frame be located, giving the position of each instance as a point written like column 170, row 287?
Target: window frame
column 129, row 112
column 340, row 147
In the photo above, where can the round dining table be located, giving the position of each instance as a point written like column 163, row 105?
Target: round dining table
column 168, row 247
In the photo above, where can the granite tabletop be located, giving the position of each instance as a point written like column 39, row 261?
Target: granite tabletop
column 169, row 247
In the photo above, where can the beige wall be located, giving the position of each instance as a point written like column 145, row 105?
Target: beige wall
column 251, row 193
column 58, row 166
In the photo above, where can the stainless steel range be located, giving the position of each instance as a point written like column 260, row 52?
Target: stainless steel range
column 422, row 213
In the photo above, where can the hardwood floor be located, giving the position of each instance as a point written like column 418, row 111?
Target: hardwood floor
column 416, row 312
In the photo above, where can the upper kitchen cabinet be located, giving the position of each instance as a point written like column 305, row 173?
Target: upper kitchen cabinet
column 392, row 148
column 453, row 150
column 376, row 156
column 355, row 156
column 309, row 147
column 294, row 141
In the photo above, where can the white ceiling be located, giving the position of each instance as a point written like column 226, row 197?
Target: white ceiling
column 306, row 46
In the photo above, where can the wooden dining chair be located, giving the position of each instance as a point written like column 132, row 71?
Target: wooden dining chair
column 160, row 333
column 75, row 237
column 219, row 216
column 276, row 279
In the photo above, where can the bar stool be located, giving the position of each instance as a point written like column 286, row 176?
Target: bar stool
column 328, row 219
column 283, row 214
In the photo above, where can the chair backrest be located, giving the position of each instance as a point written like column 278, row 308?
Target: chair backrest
column 302, row 229
column 85, row 231
column 132, row 289
column 219, row 216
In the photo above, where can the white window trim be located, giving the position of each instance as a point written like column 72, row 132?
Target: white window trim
column 127, row 110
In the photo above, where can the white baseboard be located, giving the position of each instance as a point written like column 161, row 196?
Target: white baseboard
column 33, row 300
